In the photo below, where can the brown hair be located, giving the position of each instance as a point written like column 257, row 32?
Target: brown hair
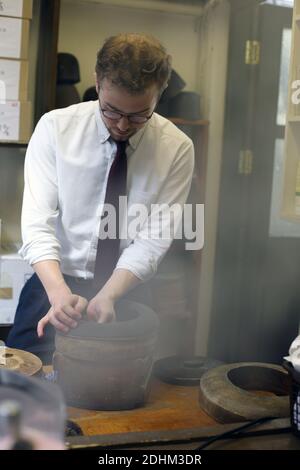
column 134, row 62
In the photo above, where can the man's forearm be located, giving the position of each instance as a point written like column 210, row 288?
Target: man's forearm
column 51, row 277
column 120, row 282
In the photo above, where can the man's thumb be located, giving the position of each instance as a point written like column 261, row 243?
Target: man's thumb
column 41, row 325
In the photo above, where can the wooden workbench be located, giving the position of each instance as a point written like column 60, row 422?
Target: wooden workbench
column 169, row 407
column 171, row 419
column 274, row 435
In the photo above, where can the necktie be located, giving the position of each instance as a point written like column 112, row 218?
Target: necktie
column 108, row 248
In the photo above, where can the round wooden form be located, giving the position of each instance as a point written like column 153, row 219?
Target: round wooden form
column 19, row 361
column 245, row 391
column 107, row 366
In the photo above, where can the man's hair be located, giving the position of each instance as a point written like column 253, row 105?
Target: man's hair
column 134, row 62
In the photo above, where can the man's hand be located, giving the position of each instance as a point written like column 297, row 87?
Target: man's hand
column 65, row 311
column 101, row 309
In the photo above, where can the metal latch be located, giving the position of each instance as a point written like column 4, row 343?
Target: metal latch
column 245, row 162
column 252, row 53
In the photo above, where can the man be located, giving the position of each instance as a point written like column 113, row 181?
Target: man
column 71, row 171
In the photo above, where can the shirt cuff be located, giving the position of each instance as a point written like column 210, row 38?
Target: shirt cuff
column 32, row 259
column 142, row 265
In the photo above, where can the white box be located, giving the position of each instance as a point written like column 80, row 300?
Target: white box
column 14, row 272
column 15, row 121
column 13, row 80
column 18, row 8
column 14, row 38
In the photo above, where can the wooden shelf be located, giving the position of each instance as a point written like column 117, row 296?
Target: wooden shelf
column 177, row 121
column 12, row 143
column 185, row 122
column 297, row 18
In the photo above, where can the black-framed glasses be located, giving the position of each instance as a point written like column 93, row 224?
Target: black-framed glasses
column 116, row 116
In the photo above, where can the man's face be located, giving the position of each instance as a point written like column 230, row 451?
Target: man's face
column 113, row 98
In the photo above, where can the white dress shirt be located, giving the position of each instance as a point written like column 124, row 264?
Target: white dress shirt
column 66, row 169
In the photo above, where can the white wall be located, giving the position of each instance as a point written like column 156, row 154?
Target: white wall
column 84, row 26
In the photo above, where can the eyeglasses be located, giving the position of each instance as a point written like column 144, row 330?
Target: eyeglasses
column 116, row 116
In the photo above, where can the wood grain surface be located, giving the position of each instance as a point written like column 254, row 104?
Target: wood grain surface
column 17, row 360
column 168, row 407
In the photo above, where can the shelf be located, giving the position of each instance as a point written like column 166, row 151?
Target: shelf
column 11, row 143
column 181, row 7
column 186, row 122
column 297, row 18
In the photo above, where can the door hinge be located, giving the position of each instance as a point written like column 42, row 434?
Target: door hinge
column 245, row 162
column 252, row 52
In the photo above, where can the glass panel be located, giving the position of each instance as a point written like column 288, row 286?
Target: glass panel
column 279, row 227
column 284, row 77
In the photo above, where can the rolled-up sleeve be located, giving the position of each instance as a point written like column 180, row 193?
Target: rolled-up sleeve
column 151, row 243
column 40, row 199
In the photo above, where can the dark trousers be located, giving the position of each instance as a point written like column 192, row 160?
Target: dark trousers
column 34, row 304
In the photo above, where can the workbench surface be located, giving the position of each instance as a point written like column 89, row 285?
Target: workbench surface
column 168, row 407
column 172, row 419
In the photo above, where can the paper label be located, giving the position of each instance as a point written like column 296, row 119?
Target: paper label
column 10, row 79
column 11, row 7
column 10, row 37
column 6, row 293
column 14, row 272
column 9, row 121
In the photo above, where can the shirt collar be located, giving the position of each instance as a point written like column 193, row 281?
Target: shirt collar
column 136, row 138
column 102, row 129
column 104, row 132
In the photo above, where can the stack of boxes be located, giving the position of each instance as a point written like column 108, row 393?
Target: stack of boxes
column 15, row 110
column 15, row 127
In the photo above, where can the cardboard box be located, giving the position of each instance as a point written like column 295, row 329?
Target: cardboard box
column 13, row 80
column 16, row 8
column 15, row 121
column 14, row 272
column 14, row 38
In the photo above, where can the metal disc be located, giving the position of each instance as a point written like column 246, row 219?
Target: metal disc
column 180, row 370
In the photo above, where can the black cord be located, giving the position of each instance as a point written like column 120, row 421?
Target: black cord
column 22, row 444
column 235, row 432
